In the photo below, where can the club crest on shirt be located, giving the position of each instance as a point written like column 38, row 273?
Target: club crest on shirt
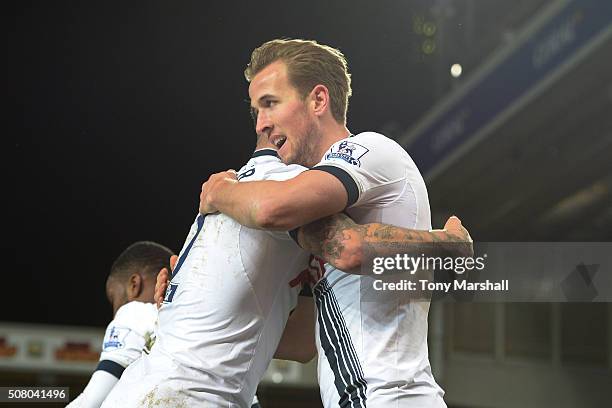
column 350, row 152
column 114, row 338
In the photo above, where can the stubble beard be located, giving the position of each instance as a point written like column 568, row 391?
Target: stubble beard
column 307, row 148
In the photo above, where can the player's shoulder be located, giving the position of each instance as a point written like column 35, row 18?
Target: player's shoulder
column 375, row 140
column 369, row 148
column 369, row 136
column 139, row 314
column 265, row 164
column 137, row 307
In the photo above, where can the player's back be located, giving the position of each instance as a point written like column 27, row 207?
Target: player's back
column 226, row 306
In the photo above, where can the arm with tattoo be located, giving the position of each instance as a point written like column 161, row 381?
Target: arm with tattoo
column 347, row 245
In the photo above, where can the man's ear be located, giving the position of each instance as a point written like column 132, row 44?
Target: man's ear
column 319, row 97
column 134, row 287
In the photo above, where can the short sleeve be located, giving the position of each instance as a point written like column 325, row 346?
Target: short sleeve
column 127, row 335
column 370, row 166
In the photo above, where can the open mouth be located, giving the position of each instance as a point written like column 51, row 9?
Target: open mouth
column 279, row 141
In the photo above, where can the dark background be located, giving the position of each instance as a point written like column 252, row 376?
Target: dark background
column 125, row 108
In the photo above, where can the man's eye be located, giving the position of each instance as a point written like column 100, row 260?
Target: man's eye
column 269, row 103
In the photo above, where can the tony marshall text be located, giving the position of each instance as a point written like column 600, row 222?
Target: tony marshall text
column 424, row 284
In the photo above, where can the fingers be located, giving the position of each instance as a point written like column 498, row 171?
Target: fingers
column 454, row 227
column 160, row 292
column 161, row 285
column 454, row 218
column 173, row 260
column 162, row 276
column 215, row 183
column 205, row 207
column 452, row 223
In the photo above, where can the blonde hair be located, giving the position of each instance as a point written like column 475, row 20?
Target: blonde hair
column 308, row 64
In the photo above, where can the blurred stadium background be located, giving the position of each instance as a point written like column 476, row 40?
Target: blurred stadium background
column 514, row 135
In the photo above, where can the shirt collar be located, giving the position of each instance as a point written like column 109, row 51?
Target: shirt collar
column 265, row 152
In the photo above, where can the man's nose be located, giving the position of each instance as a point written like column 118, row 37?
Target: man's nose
column 263, row 125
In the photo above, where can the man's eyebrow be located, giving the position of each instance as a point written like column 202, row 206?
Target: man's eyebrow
column 254, row 111
column 264, row 97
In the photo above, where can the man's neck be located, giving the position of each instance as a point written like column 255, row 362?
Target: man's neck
column 331, row 136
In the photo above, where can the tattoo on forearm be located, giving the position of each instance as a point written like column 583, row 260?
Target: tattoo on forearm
column 328, row 238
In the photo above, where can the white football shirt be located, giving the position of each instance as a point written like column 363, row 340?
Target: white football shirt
column 373, row 348
column 131, row 332
column 224, row 312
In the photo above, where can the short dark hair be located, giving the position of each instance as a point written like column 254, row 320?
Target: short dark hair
column 144, row 256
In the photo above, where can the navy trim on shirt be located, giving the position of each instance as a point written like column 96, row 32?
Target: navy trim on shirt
column 345, row 178
column 200, row 222
column 265, row 152
column 336, row 343
column 111, row 367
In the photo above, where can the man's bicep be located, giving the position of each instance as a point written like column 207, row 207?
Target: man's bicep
column 312, row 195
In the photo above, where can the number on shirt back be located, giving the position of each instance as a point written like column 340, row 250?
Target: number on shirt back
column 246, row 173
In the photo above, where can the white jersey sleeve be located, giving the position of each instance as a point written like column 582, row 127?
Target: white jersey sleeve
column 126, row 337
column 129, row 333
column 370, row 166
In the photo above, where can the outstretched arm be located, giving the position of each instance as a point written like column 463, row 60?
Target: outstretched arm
column 347, row 245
